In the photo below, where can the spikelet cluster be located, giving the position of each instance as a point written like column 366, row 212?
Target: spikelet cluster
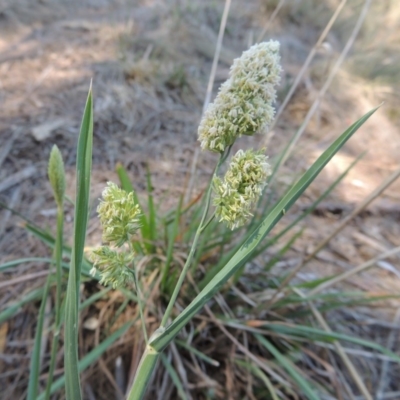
column 113, row 266
column 243, row 105
column 119, row 215
column 243, row 183
column 120, row 219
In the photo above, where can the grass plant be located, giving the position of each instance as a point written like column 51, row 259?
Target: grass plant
column 186, row 271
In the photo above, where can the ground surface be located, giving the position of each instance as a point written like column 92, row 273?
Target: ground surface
column 150, row 62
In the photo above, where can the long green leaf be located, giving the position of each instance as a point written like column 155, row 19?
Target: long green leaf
column 83, row 170
column 161, row 341
column 13, row 263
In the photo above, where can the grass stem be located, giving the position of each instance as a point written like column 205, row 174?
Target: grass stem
column 185, row 269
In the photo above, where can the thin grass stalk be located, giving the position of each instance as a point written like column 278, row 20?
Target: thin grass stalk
column 209, row 92
column 174, row 377
column 217, row 54
column 326, row 85
column 35, row 366
column 354, row 271
column 345, row 358
column 304, row 333
column 140, row 303
column 270, row 20
column 260, row 375
column 171, row 242
column 310, row 209
column 289, row 367
column 57, row 323
column 303, row 69
column 188, row 262
column 391, row 341
column 256, row 360
column 376, row 193
column 368, row 200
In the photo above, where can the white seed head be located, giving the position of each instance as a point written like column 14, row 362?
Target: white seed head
column 243, row 105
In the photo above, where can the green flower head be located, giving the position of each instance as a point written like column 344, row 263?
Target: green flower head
column 119, row 215
column 113, row 267
column 243, row 105
column 241, row 187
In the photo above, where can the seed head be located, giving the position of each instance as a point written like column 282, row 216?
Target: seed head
column 243, row 105
column 56, row 175
column 241, row 187
column 119, row 215
column 113, row 266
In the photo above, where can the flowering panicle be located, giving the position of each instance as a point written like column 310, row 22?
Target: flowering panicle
column 241, row 187
column 120, row 218
column 113, row 266
column 118, row 214
column 243, row 105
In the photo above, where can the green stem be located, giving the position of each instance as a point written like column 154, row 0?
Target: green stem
column 139, row 297
column 207, row 223
column 35, row 366
column 57, row 324
column 192, row 249
column 143, row 374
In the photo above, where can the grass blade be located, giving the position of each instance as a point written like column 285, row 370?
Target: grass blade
column 197, row 353
column 174, row 376
column 11, row 310
column 13, row 263
column 321, row 335
column 289, row 367
column 50, row 241
column 83, row 170
column 260, row 375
